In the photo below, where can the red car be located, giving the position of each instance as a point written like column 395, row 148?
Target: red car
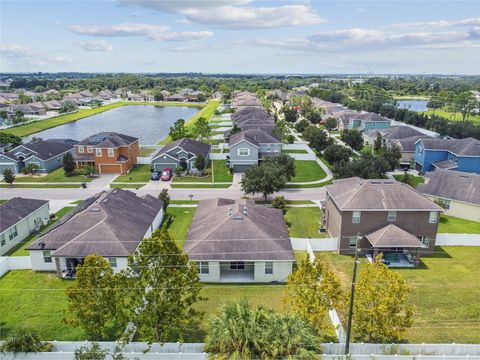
column 166, row 174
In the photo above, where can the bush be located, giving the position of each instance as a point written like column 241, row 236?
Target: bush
column 8, row 176
column 90, row 353
column 23, row 341
column 290, row 139
column 279, row 202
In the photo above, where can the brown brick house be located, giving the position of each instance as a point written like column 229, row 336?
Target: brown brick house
column 108, row 152
column 384, row 216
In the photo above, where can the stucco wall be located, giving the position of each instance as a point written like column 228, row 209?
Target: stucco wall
column 461, row 209
column 38, row 263
column 281, row 270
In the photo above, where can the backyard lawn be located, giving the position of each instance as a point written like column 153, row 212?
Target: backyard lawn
column 451, row 224
column 54, row 176
column 140, row 173
column 307, row 170
column 444, row 289
column 178, row 228
column 220, row 171
column 303, row 222
column 294, row 151
column 415, row 179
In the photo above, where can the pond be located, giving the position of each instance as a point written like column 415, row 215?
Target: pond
column 413, row 105
column 149, row 123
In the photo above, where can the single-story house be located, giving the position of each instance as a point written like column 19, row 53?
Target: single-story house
column 457, row 192
column 52, row 105
column 111, row 224
column 238, row 241
column 19, row 218
column 29, row 109
column 180, row 153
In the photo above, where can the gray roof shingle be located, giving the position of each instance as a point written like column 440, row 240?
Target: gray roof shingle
column 467, row 146
column 393, row 236
column 191, row 146
column 254, row 136
column 108, row 140
column 16, row 209
column 46, row 149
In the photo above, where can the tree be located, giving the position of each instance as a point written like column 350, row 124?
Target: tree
column 31, row 169
column 290, row 114
column 165, row 287
column 378, row 143
column 368, row 166
column 279, row 202
column 14, row 140
column 88, row 170
column 240, row 332
column 200, row 162
column 312, row 290
column 382, row 313
column 68, row 106
column 285, row 163
column 178, row 130
column 3, row 114
column 280, row 130
column 165, row 197
column 302, row 125
column 436, row 102
column 353, row 138
column 465, row 103
column 317, row 138
column 18, row 117
column 24, row 341
column 68, row 164
column 8, row 176
column 202, row 129
column 335, row 153
column 290, row 139
column 314, row 116
column 393, row 155
column 331, row 123
column 263, row 179
column 95, row 300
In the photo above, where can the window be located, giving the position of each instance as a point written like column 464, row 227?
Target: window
column 433, row 217
column 268, row 148
column 392, row 215
column 352, row 241
column 202, row 267
column 12, row 233
column 269, row 267
column 243, row 152
column 90, row 149
column 110, row 152
column 2, row 240
column 425, row 240
column 80, row 149
column 356, row 217
column 113, row 262
column 237, row 265
column 98, row 152
column 47, row 257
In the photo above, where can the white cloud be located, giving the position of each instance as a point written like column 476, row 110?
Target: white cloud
column 234, row 14
column 438, row 23
column 152, row 32
column 32, row 57
column 95, row 45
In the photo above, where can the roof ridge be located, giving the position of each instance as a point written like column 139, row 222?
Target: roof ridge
column 355, row 192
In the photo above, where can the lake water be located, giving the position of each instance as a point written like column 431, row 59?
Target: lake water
column 147, row 122
column 413, row 105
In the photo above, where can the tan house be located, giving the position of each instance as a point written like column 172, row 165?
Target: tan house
column 457, row 192
column 382, row 216
column 108, row 152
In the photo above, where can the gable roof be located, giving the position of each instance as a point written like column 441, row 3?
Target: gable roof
column 400, row 132
column 108, row 140
column 453, row 185
column 111, row 223
column 17, row 209
column 224, row 229
column 467, row 146
column 46, row 149
column 393, row 236
column 254, row 136
column 408, row 144
column 191, row 146
column 359, row 194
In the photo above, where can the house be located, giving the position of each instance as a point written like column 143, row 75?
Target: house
column 238, row 241
column 180, row 153
column 362, row 121
column 105, row 95
column 407, row 149
column 86, row 96
column 249, row 147
column 175, row 97
column 252, row 118
column 108, row 152
column 391, row 134
column 35, row 109
column 20, row 218
column 146, row 96
column 457, row 192
column 47, row 154
column 450, row 154
column 52, row 105
column 111, row 224
column 382, row 216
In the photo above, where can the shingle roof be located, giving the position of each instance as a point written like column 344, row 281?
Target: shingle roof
column 194, row 147
column 254, row 136
column 359, row 194
column 445, row 164
column 108, row 140
column 112, row 223
column 408, row 144
column 393, row 236
column 16, row 209
column 453, row 185
column 46, row 149
column 400, row 132
column 224, row 229
column 468, row 146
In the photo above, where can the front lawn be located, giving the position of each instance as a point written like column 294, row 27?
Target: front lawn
column 220, row 171
column 39, row 186
column 294, row 151
column 140, row 173
column 199, row 186
column 37, row 301
column 178, row 228
column 308, row 186
column 451, row 224
column 444, row 290
column 303, row 222
column 307, row 170
column 57, row 175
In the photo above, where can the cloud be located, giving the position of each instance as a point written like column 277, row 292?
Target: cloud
column 438, row 24
column 150, row 31
column 361, row 10
column 234, row 14
column 95, row 45
column 30, row 56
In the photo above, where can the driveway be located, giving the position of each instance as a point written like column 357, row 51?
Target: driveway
column 102, row 182
column 237, row 177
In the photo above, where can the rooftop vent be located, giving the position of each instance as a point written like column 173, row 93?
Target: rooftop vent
column 245, row 210
column 95, row 209
column 238, row 217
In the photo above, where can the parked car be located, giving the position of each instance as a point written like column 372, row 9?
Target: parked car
column 166, row 174
column 155, row 176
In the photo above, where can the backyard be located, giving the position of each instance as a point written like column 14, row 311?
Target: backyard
column 220, row 171
column 303, row 222
column 451, row 224
column 307, row 170
column 57, row 175
column 178, row 228
column 415, row 180
column 444, row 289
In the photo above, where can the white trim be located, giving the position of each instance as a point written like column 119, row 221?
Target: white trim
column 243, row 140
column 239, row 149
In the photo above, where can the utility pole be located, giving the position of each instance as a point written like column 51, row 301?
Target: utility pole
column 352, row 296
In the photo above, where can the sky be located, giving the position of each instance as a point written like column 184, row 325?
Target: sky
column 241, row 36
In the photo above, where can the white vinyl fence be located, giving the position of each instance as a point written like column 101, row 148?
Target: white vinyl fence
column 309, row 156
column 8, row 263
column 445, row 239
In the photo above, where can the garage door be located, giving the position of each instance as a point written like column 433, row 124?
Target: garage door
column 110, row 169
column 159, row 167
column 240, row 168
column 7, row 166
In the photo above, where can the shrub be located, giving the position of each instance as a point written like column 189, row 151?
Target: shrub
column 90, row 353
column 279, row 202
column 23, row 341
column 8, row 176
column 290, row 139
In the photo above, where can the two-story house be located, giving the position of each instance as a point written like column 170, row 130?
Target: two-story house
column 249, row 147
column 449, row 154
column 381, row 216
column 108, row 152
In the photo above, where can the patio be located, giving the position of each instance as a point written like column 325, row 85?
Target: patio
column 237, row 271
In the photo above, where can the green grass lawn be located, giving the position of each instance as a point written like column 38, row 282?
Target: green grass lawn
column 411, row 97
column 415, row 179
column 216, row 151
column 199, row 186
column 308, row 186
column 220, row 171
column 307, row 170
column 39, row 186
column 294, row 151
column 178, row 228
column 453, row 116
column 183, row 202
column 57, row 175
column 35, row 301
column 303, row 222
column 126, row 186
column 444, row 290
column 367, row 149
column 140, row 173
column 146, row 151
column 192, row 178
column 451, row 224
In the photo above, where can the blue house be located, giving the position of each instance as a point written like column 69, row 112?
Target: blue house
column 362, row 121
column 448, row 154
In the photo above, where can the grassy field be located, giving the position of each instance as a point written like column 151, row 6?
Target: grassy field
column 451, row 224
column 411, row 97
column 183, row 202
column 453, row 116
column 444, row 290
column 54, row 176
column 199, row 186
column 220, row 171
column 39, row 186
column 303, row 222
column 206, row 112
column 140, row 173
column 178, row 228
column 307, row 170
column 294, row 151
